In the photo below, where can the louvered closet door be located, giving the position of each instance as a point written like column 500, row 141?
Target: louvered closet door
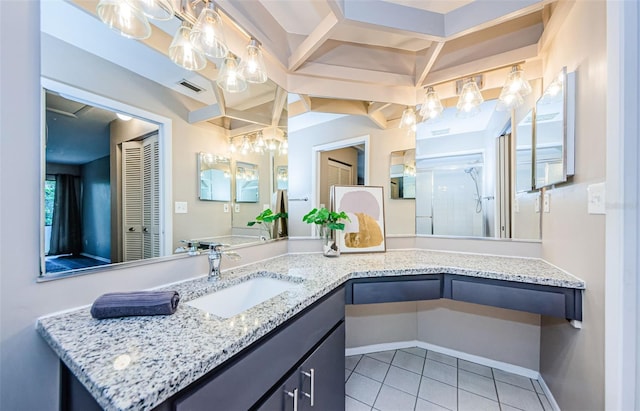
column 132, row 204
column 339, row 173
column 151, row 198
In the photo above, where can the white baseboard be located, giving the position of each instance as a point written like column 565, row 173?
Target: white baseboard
column 514, row 369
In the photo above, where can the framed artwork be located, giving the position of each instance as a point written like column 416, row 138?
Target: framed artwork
column 365, row 207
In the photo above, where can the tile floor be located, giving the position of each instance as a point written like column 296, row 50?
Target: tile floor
column 414, row 379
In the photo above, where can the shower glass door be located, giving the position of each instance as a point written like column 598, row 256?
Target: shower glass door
column 450, row 200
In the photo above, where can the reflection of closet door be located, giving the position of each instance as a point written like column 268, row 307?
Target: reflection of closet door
column 140, row 199
column 339, row 173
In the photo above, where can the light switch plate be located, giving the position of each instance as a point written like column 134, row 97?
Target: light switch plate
column 225, row 207
column 181, row 207
column 546, row 203
column 236, row 208
column 265, row 206
column 596, row 198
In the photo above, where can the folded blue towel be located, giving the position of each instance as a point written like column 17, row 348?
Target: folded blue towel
column 135, row 303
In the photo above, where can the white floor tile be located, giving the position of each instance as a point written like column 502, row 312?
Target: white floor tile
column 384, row 356
column 477, row 384
column 362, row 388
column 422, row 405
column 468, row 401
column 403, row 380
column 438, row 393
column 391, row 399
column 408, row 361
column 420, row 352
column 513, row 379
column 372, row 368
column 447, row 359
column 518, row 397
column 351, row 361
column 354, row 405
column 475, row 368
column 441, row 372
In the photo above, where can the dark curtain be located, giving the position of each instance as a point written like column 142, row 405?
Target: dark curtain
column 66, row 225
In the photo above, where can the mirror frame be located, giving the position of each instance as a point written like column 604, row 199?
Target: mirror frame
column 165, row 141
column 568, row 130
column 403, row 154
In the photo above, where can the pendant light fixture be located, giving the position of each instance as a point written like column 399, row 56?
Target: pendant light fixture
column 432, row 106
column 123, row 18
column 182, row 51
column 470, row 99
column 283, row 150
column 207, row 33
column 252, row 64
column 154, row 9
column 245, row 147
column 408, row 120
column 229, row 78
column 515, row 88
column 232, row 149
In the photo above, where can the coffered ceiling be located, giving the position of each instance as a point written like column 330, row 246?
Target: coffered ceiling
column 374, row 57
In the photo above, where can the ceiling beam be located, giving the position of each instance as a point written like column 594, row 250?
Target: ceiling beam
column 298, row 107
column 335, row 106
column 251, row 128
column 376, row 106
column 378, row 119
column 427, row 63
column 249, row 117
column 552, row 27
column 313, row 41
column 278, row 105
column 356, row 74
column 306, row 100
column 205, row 114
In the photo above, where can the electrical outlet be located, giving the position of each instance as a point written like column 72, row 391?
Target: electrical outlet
column 181, row 207
column 236, row 208
column 546, row 203
column 225, row 207
column 596, row 196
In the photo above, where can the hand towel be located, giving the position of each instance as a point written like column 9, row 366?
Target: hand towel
column 135, row 303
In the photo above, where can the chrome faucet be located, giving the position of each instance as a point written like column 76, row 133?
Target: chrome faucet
column 215, row 258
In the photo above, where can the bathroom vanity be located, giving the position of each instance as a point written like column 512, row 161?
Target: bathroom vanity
column 287, row 352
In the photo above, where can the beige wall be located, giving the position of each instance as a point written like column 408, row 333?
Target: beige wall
column 572, row 361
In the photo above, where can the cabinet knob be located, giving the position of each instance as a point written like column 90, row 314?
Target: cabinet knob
column 312, row 375
column 294, row 395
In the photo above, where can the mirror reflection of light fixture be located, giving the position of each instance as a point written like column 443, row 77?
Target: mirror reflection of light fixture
column 432, row 106
column 182, row 51
column 283, row 150
column 408, row 119
column 207, row 33
column 252, row 64
column 272, row 145
column 229, row 78
column 245, row 147
column 470, row 99
column 515, row 88
column 123, row 117
column 123, row 18
column 154, row 9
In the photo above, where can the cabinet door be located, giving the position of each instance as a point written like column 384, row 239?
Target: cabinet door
column 286, row 397
column 323, row 375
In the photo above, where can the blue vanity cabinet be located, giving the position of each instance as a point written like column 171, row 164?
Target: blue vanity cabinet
column 394, row 289
column 316, row 383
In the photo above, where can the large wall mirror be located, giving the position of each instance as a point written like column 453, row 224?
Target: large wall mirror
column 554, row 131
column 402, row 174
column 170, row 122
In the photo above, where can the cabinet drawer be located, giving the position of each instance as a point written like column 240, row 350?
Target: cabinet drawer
column 392, row 291
column 245, row 378
column 533, row 301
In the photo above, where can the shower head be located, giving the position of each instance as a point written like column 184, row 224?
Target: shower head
column 469, row 170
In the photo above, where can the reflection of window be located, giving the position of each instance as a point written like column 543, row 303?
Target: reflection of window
column 49, row 200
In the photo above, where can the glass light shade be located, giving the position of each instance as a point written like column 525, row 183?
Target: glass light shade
column 283, row 150
column 207, row 33
column 271, row 145
column 431, row 107
column 121, row 17
column 245, row 147
column 470, row 99
column 232, row 147
column 229, row 78
column 183, row 53
column 252, row 64
column 515, row 88
column 408, row 119
column 154, row 9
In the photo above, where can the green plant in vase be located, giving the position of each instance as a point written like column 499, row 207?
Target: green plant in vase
column 266, row 220
column 328, row 222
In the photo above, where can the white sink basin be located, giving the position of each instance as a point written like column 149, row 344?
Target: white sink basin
column 240, row 297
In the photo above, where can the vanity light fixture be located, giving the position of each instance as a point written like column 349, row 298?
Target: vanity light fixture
column 272, row 145
column 123, row 18
column 515, row 88
column 470, row 99
column 432, row 106
column 207, row 34
column 183, row 52
column 408, row 120
column 154, row 9
column 245, row 147
column 283, row 150
column 229, row 78
column 252, row 64
column 259, row 145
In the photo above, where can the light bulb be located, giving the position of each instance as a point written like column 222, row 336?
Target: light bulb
column 207, row 33
column 431, row 107
column 154, row 9
column 470, row 99
column 121, row 17
column 252, row 64
column 182, row 51
column 229, row 78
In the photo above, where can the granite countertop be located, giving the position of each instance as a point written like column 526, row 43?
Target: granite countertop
column 136, row 363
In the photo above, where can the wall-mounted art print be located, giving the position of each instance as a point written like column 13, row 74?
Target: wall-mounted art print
column 365, row 207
